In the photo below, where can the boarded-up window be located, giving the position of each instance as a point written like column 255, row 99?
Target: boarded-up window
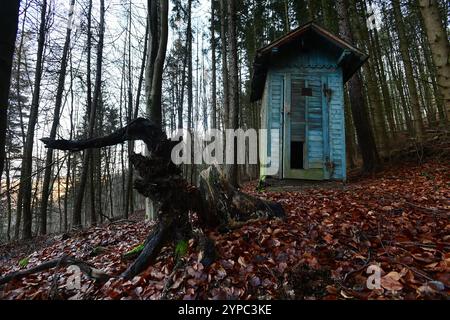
column 298, row 116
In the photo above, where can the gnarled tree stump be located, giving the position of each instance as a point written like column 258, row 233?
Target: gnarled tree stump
column 216, row 203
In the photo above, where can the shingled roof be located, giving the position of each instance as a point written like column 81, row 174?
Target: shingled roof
column 350, row 58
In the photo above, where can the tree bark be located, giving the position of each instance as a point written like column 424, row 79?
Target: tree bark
column 129, row 190
column 156, row 105
column 234, row 86
column 440, row 47
column 406, row 58
column 360, row 115
column 76, row 223
column 9, row 17
column 55, row 124
column 153, row 44
column 373, row 81
column 225, row 79
column 24, row 197
column 213, row 71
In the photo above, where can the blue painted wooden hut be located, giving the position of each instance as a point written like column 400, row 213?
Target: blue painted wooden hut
column 299, row 80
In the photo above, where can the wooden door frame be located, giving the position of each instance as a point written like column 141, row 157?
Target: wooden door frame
column 306, row 173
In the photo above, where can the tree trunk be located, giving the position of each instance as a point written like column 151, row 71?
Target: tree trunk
column 373, row 81
column 8, row 197
column 440, row 47
column 156, row 105
column 436, row 91
column 225, row 80
column 384, row 86
column 24, row 197
column 153, row 44
column 9, row 17
column 406, row 58
column 234, row 87
column 213, row 71
column 55, row 124
column 129, row 190
column 360, row 115
column 92, row 115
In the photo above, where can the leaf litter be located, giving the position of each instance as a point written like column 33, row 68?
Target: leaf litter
column 397, row 219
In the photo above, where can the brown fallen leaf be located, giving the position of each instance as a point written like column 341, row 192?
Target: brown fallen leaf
column 391, row 281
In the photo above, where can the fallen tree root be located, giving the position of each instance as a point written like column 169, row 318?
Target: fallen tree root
column 152, row 247
column 65, row 261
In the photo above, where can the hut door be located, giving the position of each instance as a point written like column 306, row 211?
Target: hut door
column 303, row 147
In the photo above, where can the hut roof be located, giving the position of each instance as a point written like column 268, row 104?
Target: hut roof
column 303, row 38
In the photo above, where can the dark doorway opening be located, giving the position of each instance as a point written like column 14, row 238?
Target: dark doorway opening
column 297, row 155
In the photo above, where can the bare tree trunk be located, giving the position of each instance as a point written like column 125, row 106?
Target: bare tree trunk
column 359, row 109
column 156, row 113
column 141, row 74
column 19, row 64
column 92, row 114
column 372, row 80
column 9, row 17
column 76, row 214
column 22, row 126
column 24, row 197
column 69, row 158
column 8, row 197
column 55, row 124
column 287, row 21
column 404, row 51
column 213, row 71
column 234, row 87
column 440, row 47
column 153, row 44
column 129, row 192
column 110, row 182
column 384, row 86
column 225, row 80
column 189, row 56
column 433, row 76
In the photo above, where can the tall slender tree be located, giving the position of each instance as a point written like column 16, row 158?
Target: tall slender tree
column 440, row 48
column 234, row 86
column 25, row 193
column 406, row 58
column 55, row 123
column 189, row 84
column 9, row 18
column 156, row 95
column 360, row 114
column 213, row 70
column 157, row 54
column 76, row 223
column 224, row 53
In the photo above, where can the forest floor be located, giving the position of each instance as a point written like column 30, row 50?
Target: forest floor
column 398, row 219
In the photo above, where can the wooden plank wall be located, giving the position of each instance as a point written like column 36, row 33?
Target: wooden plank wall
column 325, row 119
